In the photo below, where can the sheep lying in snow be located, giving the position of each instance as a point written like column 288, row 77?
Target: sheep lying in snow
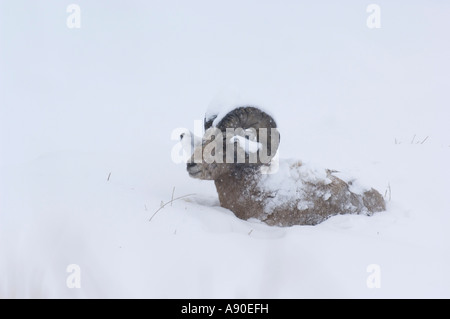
column 296, row 194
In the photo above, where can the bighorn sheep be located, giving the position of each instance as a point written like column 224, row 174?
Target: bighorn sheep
column 295, row 195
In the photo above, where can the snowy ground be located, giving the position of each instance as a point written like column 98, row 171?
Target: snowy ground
column 81, row 106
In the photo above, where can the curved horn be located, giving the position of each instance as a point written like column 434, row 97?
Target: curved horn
column 248, row 117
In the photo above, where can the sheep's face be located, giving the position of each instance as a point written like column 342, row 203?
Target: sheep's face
column 207, row 171
column 228, row 152
column 209, row 160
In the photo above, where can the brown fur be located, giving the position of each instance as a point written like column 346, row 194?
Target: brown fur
column 241, row 194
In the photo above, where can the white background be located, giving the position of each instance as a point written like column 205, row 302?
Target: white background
column 78, row 104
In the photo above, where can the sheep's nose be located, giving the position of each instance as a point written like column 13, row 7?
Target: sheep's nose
column 190, row 165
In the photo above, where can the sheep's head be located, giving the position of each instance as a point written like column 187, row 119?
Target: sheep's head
column 246, row 138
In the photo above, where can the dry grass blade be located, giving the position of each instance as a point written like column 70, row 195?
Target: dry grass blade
column 169, row 202
column 171, row 199
column 388, row 192
column 424, row 140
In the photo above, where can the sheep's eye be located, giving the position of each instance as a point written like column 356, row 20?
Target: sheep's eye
column 181, row 136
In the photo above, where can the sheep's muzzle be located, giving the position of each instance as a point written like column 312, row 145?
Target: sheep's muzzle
column 193, row 169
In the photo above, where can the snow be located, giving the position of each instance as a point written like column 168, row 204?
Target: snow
column 189, row 141
column 289, row 181
column 247, row 145
column 87, row 115
column 228, row 99
column 293, row 180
